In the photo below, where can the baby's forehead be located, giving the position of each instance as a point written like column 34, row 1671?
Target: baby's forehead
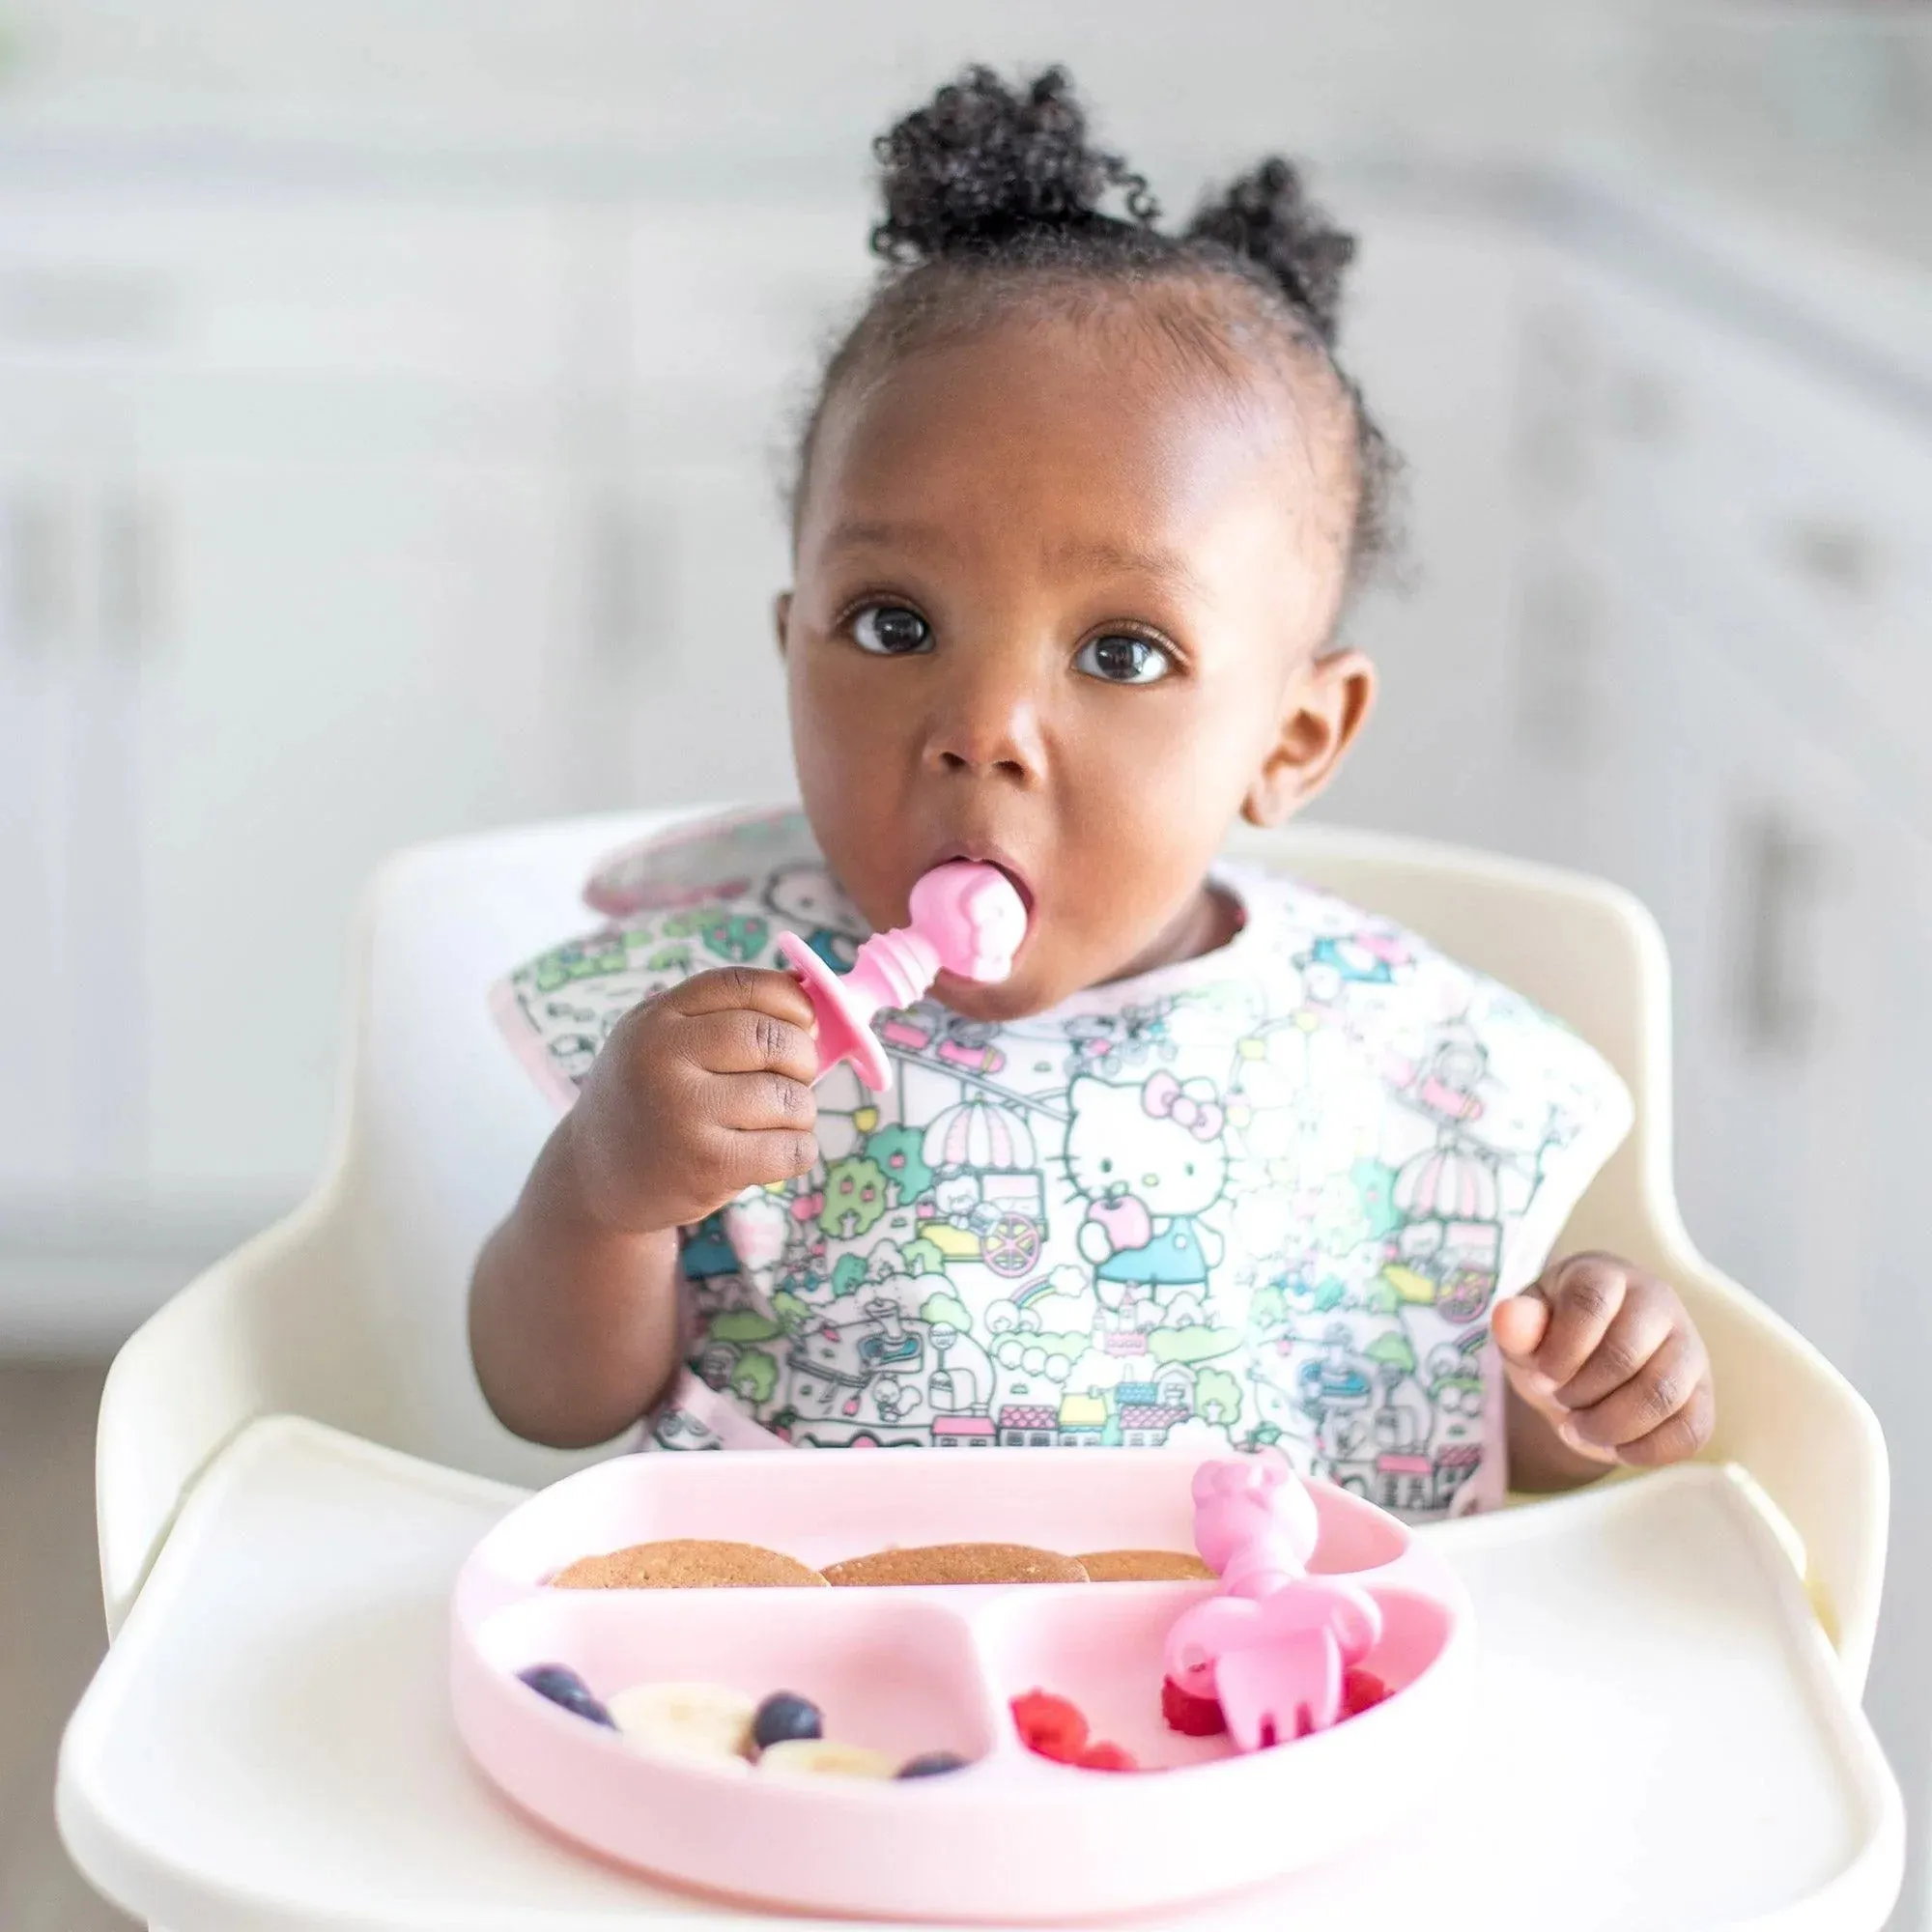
column 1115, row 412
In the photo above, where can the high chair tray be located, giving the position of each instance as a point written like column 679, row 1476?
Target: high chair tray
column 1659, row 1733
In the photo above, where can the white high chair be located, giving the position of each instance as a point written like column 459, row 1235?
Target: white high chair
column 266, row 1743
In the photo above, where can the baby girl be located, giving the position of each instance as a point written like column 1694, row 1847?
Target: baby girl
column 1077, row 515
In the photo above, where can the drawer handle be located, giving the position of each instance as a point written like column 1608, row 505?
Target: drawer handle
column 1786, row 875
column 1835, row 556
column 39, row 573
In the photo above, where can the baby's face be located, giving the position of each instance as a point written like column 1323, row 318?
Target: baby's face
column 1058, row 605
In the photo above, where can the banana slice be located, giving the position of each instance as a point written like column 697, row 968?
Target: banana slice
column 816, row 1757
column 700, row 1723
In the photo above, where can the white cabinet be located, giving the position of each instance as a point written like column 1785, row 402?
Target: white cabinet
column 1721, row 698
column 1774, row 875
column 302, row 665
column 1782, row 502
column 292, row 571
column 74, row 533
column 329, row 523
column 357, row 656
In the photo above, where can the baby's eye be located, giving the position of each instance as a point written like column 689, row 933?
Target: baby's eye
column 891, row 631
column 1106, row 1167
column 1123, row 660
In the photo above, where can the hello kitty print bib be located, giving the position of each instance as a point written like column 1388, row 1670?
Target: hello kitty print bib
column 1264, row 1196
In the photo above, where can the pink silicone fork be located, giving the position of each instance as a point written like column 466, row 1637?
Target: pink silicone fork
column 966, row 919
column 1272, row 1643
column 1274, row 1663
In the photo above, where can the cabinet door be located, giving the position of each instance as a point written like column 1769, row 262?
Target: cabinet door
column 285, row 582
column 1781, row 507
column 350, row 658
column 1764, row 863
column 72, row 574
column 717, row 315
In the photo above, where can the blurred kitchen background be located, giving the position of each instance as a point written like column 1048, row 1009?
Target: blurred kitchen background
column 390, row 394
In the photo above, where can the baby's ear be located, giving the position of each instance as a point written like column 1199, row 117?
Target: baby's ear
column 1326, row 707
column 782, row 617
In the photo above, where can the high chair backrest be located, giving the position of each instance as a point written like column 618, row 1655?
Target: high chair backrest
column 352, row 1311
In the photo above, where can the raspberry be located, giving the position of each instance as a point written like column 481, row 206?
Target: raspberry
column 1051, row 1726
column 1361, row 1691
column 1106, row 1758
column 1191, row 1716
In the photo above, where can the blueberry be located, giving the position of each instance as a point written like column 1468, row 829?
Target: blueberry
column 932, row 1764
column 564, row 1686
column 783, row 1717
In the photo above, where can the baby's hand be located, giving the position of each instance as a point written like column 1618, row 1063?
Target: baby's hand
column 1606, row 1355
column 699, row 1094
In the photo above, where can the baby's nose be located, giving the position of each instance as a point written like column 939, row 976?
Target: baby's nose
column 1150, row 1181
column 988, row 718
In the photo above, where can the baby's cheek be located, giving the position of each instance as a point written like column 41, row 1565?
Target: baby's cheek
column 1161, row 783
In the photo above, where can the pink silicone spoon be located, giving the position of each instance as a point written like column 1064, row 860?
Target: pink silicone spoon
column 966, row 919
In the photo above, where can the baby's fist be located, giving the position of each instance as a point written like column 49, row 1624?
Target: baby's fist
column 1607, row 1354
column 699, row 1094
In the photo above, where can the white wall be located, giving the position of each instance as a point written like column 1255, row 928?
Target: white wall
column 734, row 80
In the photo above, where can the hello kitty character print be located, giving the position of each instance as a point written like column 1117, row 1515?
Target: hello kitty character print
column 1263, row 1198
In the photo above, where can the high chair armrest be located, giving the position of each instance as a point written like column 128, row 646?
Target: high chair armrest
column 256, row 1333
column 1803, row 1434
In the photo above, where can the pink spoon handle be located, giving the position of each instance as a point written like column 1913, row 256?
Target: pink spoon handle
column 966, row 919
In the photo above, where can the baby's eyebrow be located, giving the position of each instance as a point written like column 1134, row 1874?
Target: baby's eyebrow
column 860, row 533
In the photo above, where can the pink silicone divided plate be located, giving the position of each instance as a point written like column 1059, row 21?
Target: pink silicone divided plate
column 908, row 1671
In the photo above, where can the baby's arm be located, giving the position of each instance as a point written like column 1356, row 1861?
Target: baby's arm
column 697, row 1094
column 1605, row 1367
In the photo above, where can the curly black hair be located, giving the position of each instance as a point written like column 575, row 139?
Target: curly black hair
column 994, row 195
